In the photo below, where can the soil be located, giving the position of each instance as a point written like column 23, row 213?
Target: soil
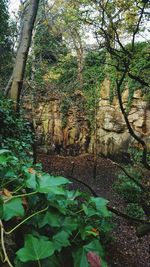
column 126, row 249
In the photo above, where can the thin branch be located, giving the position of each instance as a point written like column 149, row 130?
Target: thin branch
column 25, row 220
column 138, row 79
column 130, row 176
column 131, row 131
column 6, row 259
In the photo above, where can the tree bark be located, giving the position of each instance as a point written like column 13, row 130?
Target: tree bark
column 31, row 9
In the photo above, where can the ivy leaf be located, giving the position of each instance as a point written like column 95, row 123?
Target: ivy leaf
column 31, row 181
column 30, row 174
column 51, row 218
column 69, row 225
column 50, row 262
column 101, row 206
column 80, row 256
column 35, row 249
column 61, row 240
column 47, row 183
column 13, row 208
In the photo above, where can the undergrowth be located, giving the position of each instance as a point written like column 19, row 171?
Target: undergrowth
column 42, row 222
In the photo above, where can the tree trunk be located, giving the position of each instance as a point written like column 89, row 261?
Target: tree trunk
column 22, row 53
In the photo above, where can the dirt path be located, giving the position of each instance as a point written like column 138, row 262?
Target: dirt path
column 126, row 250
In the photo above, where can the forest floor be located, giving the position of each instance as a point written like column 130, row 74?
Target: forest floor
column 126, row 249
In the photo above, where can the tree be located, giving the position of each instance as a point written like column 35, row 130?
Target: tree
column 117, row 27
column 30, row 11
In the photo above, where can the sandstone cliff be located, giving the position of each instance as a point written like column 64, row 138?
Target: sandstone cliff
column 110, row 136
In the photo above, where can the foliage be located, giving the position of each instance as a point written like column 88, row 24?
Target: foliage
column 48, row 216
column 134, row 210
column 139, row 68
column 131, row 192
column 93, row 74
column 136, row 155
column 5, row 44
column 15, row 132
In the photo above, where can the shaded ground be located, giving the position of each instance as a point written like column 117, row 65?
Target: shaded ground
column 126, row 250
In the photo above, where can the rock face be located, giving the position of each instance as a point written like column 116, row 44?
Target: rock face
column 51, row 136
column 113, row 137
column 110, row 137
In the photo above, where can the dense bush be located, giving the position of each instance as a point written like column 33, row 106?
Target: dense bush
column 131, row 192
column 39, row 209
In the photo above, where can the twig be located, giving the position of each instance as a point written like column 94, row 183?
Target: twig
column 130, row 176
column 6, row 259
column 26, row 219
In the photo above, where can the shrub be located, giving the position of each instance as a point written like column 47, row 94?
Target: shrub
column 49, row 218
column 135, row 210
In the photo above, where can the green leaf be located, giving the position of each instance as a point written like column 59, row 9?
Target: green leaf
column 101, row 206
column 13, row 208
column 3, row 159
column 31, row 181
column 51, row 262
column 80, row 256
column 61, row 240
column 51, row 218
column 47, row 183
column 72, row 195
column 68, row 225
column 35, row 249
column 4, row 151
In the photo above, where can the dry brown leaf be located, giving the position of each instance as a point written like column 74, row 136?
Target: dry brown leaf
column 93, row 259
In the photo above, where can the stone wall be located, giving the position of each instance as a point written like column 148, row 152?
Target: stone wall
column 111, row 138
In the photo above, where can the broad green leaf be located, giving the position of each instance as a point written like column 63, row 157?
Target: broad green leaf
column 13, row 208
column 47, row 183
column 30, row 174
column 60, row 240
column 62, row 209
column 101, row 206
column 51, row 218
column 89, row 211
column 80, row 256
column 51, row 262
column 31, row 181
column 68, row 225
column 35, row 249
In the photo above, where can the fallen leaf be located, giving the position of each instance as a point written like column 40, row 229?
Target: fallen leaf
column 93, row 259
